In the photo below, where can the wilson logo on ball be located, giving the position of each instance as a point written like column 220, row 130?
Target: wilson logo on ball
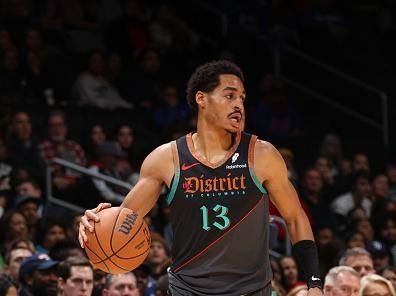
column 127, row 224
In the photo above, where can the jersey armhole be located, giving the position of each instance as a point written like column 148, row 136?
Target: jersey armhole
column 252, row 143
column 176, row 177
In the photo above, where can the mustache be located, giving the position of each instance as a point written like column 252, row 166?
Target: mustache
column 236, row 112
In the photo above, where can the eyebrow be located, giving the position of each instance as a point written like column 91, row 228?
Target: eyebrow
column 233, row 89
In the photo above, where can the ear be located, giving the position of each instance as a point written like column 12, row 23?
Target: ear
column 200, row 99
column 327, row 290
column 60, row 284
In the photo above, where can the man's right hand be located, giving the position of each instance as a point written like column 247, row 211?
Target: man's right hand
column 89, row 215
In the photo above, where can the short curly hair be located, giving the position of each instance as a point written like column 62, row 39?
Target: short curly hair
column 207, row 77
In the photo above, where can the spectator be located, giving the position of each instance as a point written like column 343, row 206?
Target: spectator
column 107, row 156
column 8, row 286
column 38, row 276
column 14, row 227
column 145, row 283
column 128, row 34
column 380, row 254
column 92, row 89
column 50, row 232
column 22, row 147
column 5, row 40
column 13, row 259
column 6, row 171
column 331, row 149
column 121, row 284
column 390, row 274
column 359, row 259
column 288, row 157
column 391, row 173
column 58, row 145
column 289, row 273
column 171, row 110
column 97, row 136
column 359, row 195
column 376, row 284
column 29, row 207
column 380, row 185
column 72, row 228
column 158, row 257
column 354, row 239
column 162, row 285
column 342, row 280
column 75, row 277
column 314, row 198
column 64, row 249
column 360, row 162
column 126, row 141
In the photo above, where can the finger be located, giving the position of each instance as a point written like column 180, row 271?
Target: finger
column 80, row 239
column 84, row 223
column 102, row 206
column 90, row 215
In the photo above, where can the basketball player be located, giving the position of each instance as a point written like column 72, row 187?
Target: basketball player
column 220, row 179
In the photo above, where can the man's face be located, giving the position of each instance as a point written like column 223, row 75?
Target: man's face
column 28, row 189
column 30, row 211
column 22, row 126
column 80, row 282
column 16, row 257
column 360, row 163
column 313, row 181
column 289, row 270
column 122, row 285
column 345, row 284
column 380, row 186
column 362, row 187
column 224, row 106
column 57, row 129
column 44, row 282
column 362, row 264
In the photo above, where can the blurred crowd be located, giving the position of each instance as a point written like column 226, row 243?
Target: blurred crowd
column 99, row 84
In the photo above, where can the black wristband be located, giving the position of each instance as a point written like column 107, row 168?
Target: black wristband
column 306, row 255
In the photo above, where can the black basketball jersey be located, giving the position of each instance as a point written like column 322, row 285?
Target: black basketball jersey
column 219, row 215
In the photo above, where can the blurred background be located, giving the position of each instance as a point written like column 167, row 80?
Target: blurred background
column 89, row 88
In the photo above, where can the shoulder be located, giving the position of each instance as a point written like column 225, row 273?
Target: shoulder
column 159, row 163
column 265, row 149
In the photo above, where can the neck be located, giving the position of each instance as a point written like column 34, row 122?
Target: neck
column 212, row 142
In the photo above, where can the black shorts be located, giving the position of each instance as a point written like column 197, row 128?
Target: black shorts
column 266, row 291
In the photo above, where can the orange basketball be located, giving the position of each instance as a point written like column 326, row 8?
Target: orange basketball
column 120, row 241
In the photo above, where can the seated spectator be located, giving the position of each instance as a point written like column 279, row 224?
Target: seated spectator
column 331, row 149
column 359, row 259
column 390, row 274
column 359, row 195
column 37, row 276
column 158, row 257
column 13, row 226
column 22, row 147
column 354, row 239
column 64, row 249
column 75, row 277
column 58, row 145
column 50, row 232
column 289, row 273
column 92, row 89
column 375, row 284
column 97, row 136
column 380, row 187
column 391, row 173
column 72, row 228
column 162, row 285
column 145, row 283
column 380, row 254
column 126, row 141
column 29, row 207
column 341, row 280
column 13, row 259
column 6, row 171
column 360, row 162
column 171, row 110
column 107, row 155
column 121, row 284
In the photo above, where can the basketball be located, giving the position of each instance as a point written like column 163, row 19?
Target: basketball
column 120, row 241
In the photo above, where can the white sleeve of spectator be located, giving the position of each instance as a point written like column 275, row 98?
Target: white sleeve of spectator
column 105, row 191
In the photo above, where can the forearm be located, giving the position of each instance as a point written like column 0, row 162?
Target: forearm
column 299, row 227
